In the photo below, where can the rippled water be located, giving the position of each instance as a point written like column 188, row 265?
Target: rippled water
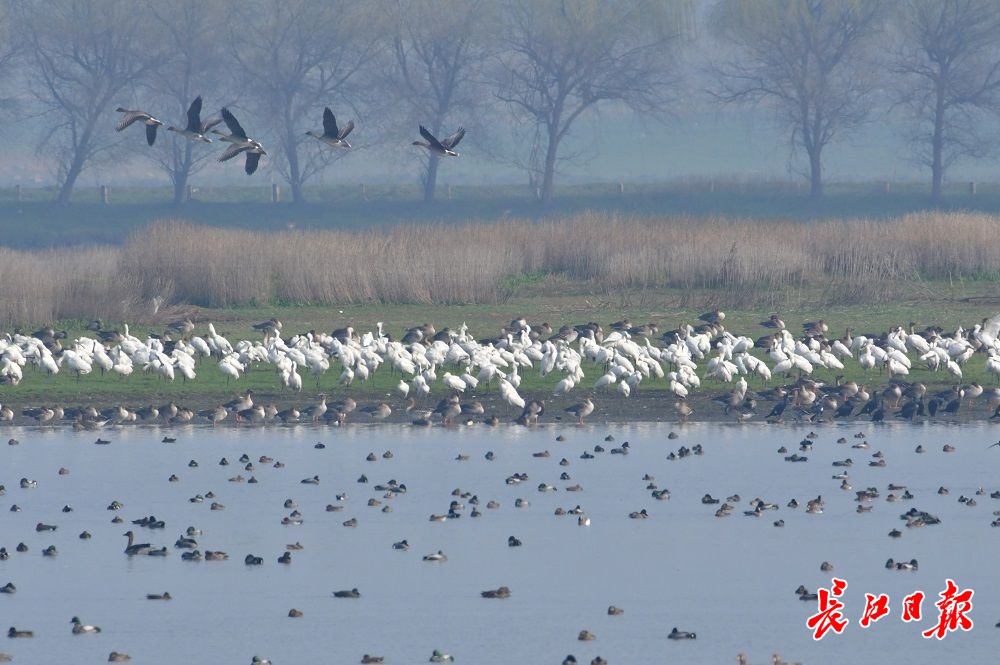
column 731, row 580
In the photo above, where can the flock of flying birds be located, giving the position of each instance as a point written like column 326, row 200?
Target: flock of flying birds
column 197, row 129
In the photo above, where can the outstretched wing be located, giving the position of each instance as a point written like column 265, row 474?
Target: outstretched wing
column 253, row 159
column 992, row 326
column 347, row 129
column 453, row 140
column 431, row 139
column 151, row 134
column 194, row 115
column 329, row 123
column 128, row 119
column 233, row 150
column 211, row 122
column 233, row 124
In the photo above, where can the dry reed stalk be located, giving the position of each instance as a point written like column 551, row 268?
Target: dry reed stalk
column 743, row 262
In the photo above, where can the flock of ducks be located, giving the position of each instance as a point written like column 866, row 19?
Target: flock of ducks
column 463, row 503
column 467, row 369
column 189, row 546
column 196, row 129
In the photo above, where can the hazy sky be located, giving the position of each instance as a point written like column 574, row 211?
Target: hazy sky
column 691, row 142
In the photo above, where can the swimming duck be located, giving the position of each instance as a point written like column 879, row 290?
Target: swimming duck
column 159, row 596
column 401, row 545
column 334, row 136
column 586, row 636
column 14, row 632
column 371, row 660
column 251, row 560
column 353, row 593
column 80, row 628
column 443, row 147
column 439, row 657
column 8, row 588
column 118, row 657
column 135, row 548
column 437, row 556
column 215, row 556
column 681, row 635
column 294, row 613
column 502, row 592
column 513, row 542
column 615, row 611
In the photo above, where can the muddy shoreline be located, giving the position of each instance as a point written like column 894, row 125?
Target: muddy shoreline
column 648, row 406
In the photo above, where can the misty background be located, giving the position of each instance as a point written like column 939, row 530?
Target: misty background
column 68, row 63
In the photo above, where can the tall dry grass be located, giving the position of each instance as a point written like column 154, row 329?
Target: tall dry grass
column 740, row 262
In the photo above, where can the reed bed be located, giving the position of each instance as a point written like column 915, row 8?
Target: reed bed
column 739, row 262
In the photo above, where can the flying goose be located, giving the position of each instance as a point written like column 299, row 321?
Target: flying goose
column 240, row 142
column 332, row 135
column 195, row 129
column 444, row 147
column 131, row 115
column 253, row 150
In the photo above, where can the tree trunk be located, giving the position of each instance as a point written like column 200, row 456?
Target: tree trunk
column 181, row 174
column 430, row 177
column 75, row 168
column 815, row 174
column 937, row 148
column 294, row 172
column 549, row 173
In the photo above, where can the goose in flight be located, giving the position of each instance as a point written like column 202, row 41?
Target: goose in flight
column 196, row 129
column 132, row 115
column 443, row 147
column 240, row 143
column 333, row 135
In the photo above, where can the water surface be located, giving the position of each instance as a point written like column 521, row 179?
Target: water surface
column 731, row 580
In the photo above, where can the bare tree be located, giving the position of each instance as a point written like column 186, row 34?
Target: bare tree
column 298, row 56
column 806, row 59
column 8, row 56
column 81, row 55
column 440, row 49
column 561, row 58
column 196, row 65
column 948, row 76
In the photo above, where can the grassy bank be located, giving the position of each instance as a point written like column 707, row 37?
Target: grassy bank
column 211, row 387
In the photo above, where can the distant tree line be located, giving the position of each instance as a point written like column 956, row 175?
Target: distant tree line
column 823, row 67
